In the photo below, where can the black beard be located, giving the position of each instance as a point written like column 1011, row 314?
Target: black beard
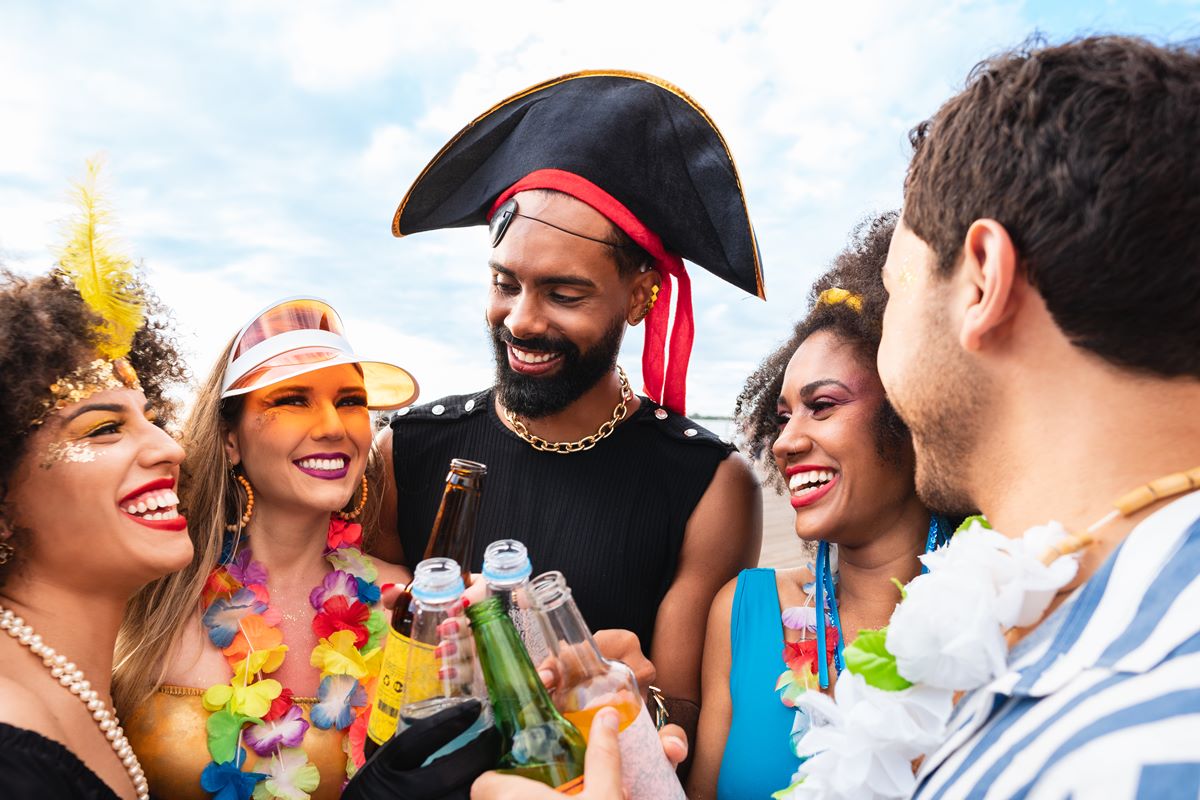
column 535, row 397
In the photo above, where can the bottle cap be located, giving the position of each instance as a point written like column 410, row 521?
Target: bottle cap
column 506, row 563
column 437, row 580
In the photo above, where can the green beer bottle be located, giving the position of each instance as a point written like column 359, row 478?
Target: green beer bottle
column 537, row 741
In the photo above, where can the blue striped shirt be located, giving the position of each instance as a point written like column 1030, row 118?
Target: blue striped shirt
column 1102, row 700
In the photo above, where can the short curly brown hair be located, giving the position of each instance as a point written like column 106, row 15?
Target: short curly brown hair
column 46, row 331
column 857, row 269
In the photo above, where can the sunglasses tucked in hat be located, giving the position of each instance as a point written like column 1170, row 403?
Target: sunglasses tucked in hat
column 636, row 149
column 300, row 335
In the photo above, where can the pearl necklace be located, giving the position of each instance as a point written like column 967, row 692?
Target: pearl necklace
column 71, row 677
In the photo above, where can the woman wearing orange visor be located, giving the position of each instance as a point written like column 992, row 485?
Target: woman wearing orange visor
column 248, row 672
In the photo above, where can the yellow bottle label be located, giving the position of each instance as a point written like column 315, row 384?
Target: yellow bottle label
column 401, row 656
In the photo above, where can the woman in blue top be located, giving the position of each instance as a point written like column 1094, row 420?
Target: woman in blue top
column 817, row 406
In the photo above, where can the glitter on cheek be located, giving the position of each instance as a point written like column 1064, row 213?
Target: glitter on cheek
column 906, row 274
column 73, row 452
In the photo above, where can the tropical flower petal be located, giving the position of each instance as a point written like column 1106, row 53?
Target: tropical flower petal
column 287, row 731
column 343, row 614
column 216, row 697
column 356, row 740
column 337, row 655
column 336, row 584
column 368, row 592
column 223, row 617
column 338, row 696
column 255, row 634
column 245, row 570
column 377, row 623
column 292, row 776
column 350, row 559
column 223, row 728
column 280, row 705
column 343, row 533
column 226, row 782
column 260, row 661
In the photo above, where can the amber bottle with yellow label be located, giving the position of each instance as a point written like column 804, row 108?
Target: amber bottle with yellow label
column 453, row 536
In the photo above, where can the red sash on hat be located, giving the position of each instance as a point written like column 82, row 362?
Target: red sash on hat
column 664, row 367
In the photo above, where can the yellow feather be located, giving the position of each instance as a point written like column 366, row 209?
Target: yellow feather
column 105, row 279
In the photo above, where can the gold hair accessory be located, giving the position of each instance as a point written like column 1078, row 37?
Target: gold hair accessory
column 97, row 375
column 587, row 442
column 234, row 527
column 107, row 283
column 358, row 509
column 836, row 296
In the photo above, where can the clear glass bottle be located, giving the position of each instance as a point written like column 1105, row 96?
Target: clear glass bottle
column 441, row 669
column 506, row 571
column 537, row 741
column 453, row 536
column 587, row 682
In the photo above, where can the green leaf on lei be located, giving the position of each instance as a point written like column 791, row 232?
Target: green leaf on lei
column 869, row 657
column 969, row 521
column 223, row 729
column 376, row 625
column 785, row 794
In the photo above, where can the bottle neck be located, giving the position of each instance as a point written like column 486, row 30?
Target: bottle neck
column 514, row 687
column 567, row 635
column 453, row 533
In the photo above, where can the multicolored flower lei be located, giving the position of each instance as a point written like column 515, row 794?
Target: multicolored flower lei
column 256, row 711
column 801, row 659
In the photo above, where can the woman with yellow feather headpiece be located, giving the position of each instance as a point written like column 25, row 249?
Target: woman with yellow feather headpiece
column 87, row 506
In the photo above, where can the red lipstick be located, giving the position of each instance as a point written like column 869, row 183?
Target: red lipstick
column 152, row 486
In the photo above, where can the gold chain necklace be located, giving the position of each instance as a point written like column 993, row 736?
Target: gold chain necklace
column 587, row 442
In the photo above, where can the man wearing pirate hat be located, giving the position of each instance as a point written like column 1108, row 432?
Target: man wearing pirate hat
column 595, row 187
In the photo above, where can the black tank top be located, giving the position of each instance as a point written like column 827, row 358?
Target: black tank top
column 611, row 519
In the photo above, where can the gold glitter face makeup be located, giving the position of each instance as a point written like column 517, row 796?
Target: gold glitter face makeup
column 906, row 274
column 73, row 452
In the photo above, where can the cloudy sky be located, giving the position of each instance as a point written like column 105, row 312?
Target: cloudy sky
column 258, row 148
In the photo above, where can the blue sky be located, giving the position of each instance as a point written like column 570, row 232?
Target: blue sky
column 258, row 148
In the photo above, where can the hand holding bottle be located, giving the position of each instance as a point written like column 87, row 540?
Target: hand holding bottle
column 396, row 769
column 602, row 766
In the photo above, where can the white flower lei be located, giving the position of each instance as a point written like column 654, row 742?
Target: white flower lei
column 892, row 702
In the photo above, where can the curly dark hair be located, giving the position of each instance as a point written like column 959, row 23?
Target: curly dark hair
column 1086, row 153
column 857, row 269
column 46, row 331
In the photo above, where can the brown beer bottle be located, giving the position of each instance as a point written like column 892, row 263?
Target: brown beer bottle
column 453, row 536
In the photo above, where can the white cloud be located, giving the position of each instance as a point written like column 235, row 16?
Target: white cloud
column 258, row 148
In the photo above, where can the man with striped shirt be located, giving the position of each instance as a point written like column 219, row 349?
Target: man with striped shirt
column 1042, row 341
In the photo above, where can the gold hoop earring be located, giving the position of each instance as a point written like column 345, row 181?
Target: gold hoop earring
column 348, row 515
column 233, row 527
column 7, row 551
